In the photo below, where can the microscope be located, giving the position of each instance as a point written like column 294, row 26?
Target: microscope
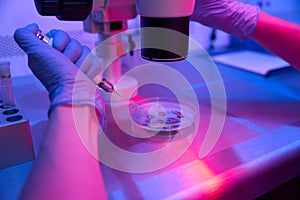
column 108, row 17
column 164, row 37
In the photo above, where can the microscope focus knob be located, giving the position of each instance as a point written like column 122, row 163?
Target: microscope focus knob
column 72, row 10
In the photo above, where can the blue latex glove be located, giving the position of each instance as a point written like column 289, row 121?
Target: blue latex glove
column 57, row 67
column 230, row 16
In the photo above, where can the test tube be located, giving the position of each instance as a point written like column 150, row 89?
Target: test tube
column 6, row 85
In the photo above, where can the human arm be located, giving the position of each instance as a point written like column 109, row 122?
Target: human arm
column 278, row 36
column 247, row 21
column 64, row 168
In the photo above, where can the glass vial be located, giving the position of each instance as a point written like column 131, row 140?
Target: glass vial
column 6, row 85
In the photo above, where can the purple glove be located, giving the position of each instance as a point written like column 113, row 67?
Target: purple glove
column 57, row 68
column 230, row 16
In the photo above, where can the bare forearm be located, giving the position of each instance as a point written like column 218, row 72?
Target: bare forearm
column 278, row 36
column 64, row 169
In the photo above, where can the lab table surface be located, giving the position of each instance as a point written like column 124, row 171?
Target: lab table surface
column 258, row 149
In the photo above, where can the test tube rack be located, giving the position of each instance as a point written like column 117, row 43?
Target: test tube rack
column 15, row 137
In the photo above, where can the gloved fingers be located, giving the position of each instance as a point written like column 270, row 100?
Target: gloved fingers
column 33, row 28
column 73, row 50
column 231, row 16
column 84, row 55
column 68, row 46
column 27, row 40
column 60, row 39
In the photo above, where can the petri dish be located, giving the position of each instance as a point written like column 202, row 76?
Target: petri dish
column 163, row 118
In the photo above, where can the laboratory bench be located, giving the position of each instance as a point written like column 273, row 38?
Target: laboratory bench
column 258, row 149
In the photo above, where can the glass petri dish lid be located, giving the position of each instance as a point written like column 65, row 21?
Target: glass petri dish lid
column 163, row 118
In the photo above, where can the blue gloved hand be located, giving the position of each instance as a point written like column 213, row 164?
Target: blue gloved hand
column 57, row 67
column 230, row 16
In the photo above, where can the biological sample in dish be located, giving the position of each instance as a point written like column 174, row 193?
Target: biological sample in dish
column 163, row 117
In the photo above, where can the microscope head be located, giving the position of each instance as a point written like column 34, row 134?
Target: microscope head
column 110, row 17
column 72, row 10
column 99, row 16
column 171, row 19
